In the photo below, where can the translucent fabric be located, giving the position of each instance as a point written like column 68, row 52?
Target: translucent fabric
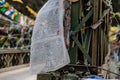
column 48, row 51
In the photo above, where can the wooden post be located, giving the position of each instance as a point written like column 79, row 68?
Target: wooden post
column 95, row 33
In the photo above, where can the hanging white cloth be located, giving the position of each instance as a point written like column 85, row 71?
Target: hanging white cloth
column 22, row 19
column 48, row 51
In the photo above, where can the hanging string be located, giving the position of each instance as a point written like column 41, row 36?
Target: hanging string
column 117, row 20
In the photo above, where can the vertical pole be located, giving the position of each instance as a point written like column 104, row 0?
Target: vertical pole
column 101, row 39
column 95, row 32
column 73, row 51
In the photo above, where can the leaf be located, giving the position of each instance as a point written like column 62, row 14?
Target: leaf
column 118, row 27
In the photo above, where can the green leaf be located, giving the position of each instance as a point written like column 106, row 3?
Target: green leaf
column 118, row 27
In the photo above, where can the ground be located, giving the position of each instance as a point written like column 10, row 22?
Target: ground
column 20, row 74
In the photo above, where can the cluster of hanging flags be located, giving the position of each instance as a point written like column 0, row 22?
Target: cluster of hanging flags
column 13, row 14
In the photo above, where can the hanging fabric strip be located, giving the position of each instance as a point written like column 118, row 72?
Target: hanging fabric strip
column 13, row 14
column 22, row 19
column 4, row 7
column 48, row 50
column 2, row 2
column 10, row 12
